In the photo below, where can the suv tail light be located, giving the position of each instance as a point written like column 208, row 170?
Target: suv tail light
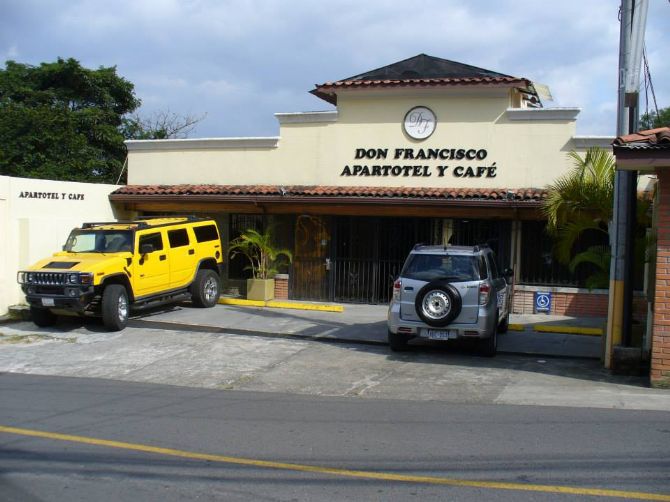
column 396, row 290
column 484, row 292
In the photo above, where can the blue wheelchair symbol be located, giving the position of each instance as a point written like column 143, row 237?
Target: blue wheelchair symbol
column 542, row 302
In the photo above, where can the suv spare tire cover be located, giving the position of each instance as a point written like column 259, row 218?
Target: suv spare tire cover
column 438, row 303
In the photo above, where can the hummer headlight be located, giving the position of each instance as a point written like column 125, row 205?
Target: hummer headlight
column 30, row 277
column 21, row 277
column 86, row 278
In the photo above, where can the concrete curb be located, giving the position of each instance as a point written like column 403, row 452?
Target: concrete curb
column 559, row 328
column 281, row 305
column 568, row 330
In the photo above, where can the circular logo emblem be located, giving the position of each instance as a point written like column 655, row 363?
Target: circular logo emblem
column 419, row 122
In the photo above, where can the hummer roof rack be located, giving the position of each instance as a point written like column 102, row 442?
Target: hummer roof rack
column 141, row 221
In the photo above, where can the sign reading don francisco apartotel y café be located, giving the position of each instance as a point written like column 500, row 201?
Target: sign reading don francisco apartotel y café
column 467, row 163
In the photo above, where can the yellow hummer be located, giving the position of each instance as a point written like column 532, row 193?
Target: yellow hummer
column 107, row 268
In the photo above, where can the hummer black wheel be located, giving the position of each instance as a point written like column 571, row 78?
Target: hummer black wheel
column 206, row 289
column 115, row 307
column 42, row 317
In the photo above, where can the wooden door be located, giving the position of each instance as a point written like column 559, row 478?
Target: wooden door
column 311, row 261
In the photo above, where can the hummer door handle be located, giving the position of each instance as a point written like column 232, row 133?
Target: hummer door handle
column 162, row 257
column 191, row 251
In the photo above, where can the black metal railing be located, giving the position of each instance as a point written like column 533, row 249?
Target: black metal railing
column 343, row 280
column 363, row 281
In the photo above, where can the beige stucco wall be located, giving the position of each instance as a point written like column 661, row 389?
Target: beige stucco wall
column 528, row 147
column 36, row 217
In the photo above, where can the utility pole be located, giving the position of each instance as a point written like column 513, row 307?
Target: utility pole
column 620, row 307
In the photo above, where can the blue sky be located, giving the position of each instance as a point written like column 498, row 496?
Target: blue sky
column 238, row 62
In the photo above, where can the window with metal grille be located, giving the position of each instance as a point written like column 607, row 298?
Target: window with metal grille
column 539, row 265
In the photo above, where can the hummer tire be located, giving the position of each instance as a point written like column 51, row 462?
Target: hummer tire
column 206, row 289
column 42, row 317
column 115, row 307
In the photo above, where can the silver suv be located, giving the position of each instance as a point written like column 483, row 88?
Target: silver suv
column 449, row 293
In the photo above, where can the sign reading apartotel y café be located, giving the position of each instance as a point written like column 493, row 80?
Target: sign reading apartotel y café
column 419, row 123
column 51, row 195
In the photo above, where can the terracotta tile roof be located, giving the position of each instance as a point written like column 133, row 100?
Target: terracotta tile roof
column 413, row 82
column 296, row 191
column 420, row 71
column 651, row 139
column 329, row 90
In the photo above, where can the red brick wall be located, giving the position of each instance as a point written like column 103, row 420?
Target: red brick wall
column 281, row 287
column 660, row 341
column 576, row 303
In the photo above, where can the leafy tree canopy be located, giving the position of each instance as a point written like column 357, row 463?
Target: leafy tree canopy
column 653, row 120
column 62, row 121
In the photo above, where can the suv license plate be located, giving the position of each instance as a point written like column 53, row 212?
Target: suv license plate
column 441, row 334
column 48, row 302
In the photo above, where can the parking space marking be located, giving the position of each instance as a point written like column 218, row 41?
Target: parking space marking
column 371, row 475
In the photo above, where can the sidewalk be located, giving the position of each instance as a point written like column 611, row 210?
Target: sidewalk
column 366, row 324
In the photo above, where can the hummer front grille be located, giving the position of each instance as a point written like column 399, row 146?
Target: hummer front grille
column 47, row 278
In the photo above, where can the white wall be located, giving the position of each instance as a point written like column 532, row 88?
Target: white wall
column 36, row 217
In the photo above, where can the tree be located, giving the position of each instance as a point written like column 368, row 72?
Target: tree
column 653, row 120
column 160, row 125
column 62, row 121
column 580, row 204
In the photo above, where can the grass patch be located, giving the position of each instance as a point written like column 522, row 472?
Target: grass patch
column 31, row 338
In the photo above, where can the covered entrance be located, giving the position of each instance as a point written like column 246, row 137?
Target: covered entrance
column 355, row 259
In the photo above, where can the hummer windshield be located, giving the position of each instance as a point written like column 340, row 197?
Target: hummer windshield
column 99, row 241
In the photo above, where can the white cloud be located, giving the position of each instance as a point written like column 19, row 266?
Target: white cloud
column 263, row 56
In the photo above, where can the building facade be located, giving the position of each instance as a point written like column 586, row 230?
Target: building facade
column 423, row 150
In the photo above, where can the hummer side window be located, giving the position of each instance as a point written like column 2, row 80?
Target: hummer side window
column 178, row 238
column 206, row 233
column 154, row 239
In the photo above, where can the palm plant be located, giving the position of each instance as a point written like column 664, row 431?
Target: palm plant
column 581, row 201
column 259, row 249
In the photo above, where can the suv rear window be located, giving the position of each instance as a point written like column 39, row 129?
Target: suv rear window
column 429, row 267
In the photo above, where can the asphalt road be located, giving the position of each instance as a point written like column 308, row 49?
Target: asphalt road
column 111, row 440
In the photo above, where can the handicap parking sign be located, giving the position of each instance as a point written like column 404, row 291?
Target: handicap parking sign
column 542, row 301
